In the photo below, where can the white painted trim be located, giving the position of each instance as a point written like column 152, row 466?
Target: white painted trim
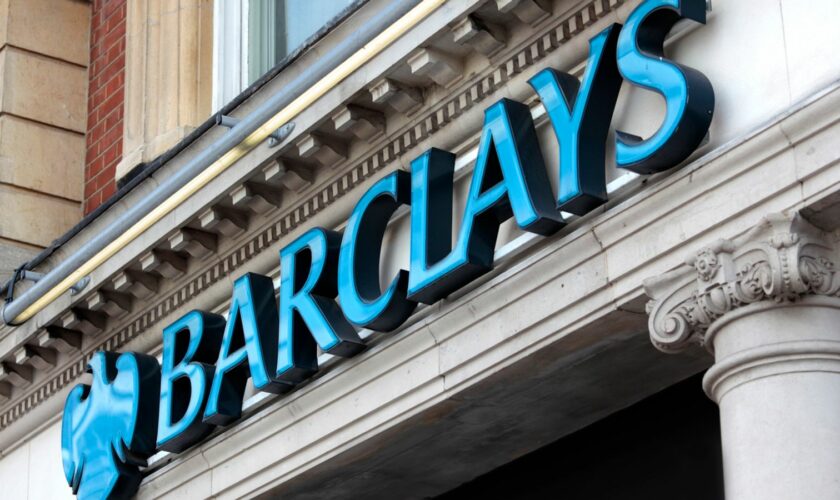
column 230, row 50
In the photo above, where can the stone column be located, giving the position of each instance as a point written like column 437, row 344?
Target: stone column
column 766, row 306
column 169, row 45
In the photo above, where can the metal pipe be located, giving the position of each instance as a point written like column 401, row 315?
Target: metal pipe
column 27, row 275
column 275, row 139
column 326, row 72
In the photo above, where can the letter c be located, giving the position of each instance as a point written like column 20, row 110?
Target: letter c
column 362, row 300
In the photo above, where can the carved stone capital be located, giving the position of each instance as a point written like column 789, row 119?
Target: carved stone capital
column 782, row 259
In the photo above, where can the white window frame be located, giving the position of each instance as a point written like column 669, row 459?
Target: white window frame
column 231, row 25
column 230, row 50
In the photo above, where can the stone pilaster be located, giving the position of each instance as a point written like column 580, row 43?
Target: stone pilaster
column 767, row 306
column 168, row 75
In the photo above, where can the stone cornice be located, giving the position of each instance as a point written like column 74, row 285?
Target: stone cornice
column 549, row 37
column 781, row 260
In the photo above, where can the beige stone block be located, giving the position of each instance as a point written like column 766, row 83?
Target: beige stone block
column 441, row 67
column 56, row 28
column 35, row 218
column 12, row 255
column 485, row 39
column 164, row 141
column 42, row 158
column 43, row 89
column 168, row 70
column 4, row 15
column 130, row 159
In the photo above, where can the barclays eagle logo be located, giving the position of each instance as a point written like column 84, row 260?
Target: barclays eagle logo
column 104, row 436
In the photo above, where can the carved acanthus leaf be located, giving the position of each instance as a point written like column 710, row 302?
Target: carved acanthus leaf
column 782, row 259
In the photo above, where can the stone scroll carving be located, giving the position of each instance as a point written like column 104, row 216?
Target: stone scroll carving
column 782, row 259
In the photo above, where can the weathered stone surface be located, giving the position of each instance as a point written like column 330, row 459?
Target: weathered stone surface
column 12, row 255
column 362, row 122
column 444, row 69
column 292, row 177
column 485, row 39
column 256, row 197
column 169, row 60
column 137, row 283
column 402, row 98
column 39, row 357
column 43, row 89
column 61, row 339
column 57, row 28
column 15, row 374
column 38, row 218
column 82, row 320
column 528, row 11
column 226, row 221
column 325, row 150
column 164, row 262
column 111, row 303
column 41, row 158
column 784, row 258
column 193, row 241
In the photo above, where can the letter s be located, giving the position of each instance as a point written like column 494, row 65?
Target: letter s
column 689, row 97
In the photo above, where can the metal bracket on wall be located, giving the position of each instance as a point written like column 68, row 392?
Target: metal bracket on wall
column 275, row 139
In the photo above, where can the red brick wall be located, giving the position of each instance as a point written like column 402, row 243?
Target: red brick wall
column 106, row 79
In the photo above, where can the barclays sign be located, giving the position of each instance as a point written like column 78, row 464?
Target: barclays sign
column 136, row 406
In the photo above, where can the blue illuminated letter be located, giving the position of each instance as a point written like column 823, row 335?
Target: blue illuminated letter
column 580, row 114
column 362, row 300
column 509, row 179
column 431, row 212
column 248, row 349
column 308, row 313
column 190, row 346
column 689, row 97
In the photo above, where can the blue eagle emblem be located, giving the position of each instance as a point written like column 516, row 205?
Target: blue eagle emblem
column 109, row 428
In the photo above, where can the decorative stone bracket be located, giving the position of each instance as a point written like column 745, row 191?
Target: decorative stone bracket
column 782, row 259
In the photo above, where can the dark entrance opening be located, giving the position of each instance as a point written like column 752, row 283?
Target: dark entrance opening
column 664, row 447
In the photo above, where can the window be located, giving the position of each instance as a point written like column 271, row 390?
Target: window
column 251, row 36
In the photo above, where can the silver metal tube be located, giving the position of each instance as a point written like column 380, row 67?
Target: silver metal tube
column 248, row 124
column 275, row 139
column 227, row 121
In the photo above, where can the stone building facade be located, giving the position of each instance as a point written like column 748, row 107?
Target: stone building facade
column 43, row 84
column 576, row 366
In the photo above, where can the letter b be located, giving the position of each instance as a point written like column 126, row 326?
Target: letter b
column 190, row 345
